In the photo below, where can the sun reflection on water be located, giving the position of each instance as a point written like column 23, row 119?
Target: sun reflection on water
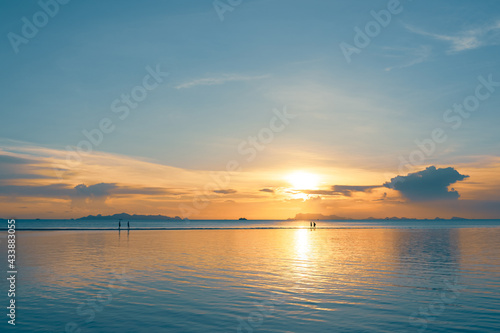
column 302, row 244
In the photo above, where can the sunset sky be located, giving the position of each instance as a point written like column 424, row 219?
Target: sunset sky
column 262, row 109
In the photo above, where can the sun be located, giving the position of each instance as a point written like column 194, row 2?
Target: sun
column 301, row 180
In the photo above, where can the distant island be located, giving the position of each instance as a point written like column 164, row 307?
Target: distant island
column 302, row 216
column 298, row 217
column 125, row 216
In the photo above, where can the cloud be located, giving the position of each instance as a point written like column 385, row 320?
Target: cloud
column 344, row 190
column 39, row 163
column 417, row 56
column 94, row 194
column 468, row 39
column 99, row 193
column 44, row 191
column 6, row 173
column 97, row 190
column 318, row 192
column 13, row 167
column 8, row 159
column 228, row 191
column 347, row 190
column 426, row 185
column 129, row 190
column 101, row 190
column 384, row 197
column 268, row 190
column 211, row 81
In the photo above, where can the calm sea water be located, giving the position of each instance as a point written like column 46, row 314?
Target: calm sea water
column 375, row 277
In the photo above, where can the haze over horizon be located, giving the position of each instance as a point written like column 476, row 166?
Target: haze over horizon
column 264, row 111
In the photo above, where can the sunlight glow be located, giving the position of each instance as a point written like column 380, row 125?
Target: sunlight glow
column 303, row 180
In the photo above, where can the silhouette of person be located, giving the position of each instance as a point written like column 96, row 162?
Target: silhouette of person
column 314, row 224
column 128, row 225
column 119, row 225
column 311, row 224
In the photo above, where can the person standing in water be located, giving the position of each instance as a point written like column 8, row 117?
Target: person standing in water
column 314, row 225
column 119, row 225
column 128, row 225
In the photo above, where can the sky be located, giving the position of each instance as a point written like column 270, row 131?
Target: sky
column 260, row 109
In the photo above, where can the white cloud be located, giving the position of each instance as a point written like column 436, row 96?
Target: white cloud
column 467, row 39
column 416, row 56
column 211, row 81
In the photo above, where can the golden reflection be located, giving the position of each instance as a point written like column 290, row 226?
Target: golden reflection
column 281, row 257
column 331, row 262
column 301, row 244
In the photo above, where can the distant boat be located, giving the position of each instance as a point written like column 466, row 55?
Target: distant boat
column 242, row 219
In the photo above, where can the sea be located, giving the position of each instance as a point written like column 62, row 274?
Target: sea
column 252, row 276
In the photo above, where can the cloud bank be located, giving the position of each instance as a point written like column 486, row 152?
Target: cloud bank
column 343, row 190
column 227, row 191
column 426, row 185
column 346, row 190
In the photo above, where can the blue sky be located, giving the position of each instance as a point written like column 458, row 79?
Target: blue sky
column 226, row 77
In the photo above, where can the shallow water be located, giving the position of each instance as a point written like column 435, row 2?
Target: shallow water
column 259, row 280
